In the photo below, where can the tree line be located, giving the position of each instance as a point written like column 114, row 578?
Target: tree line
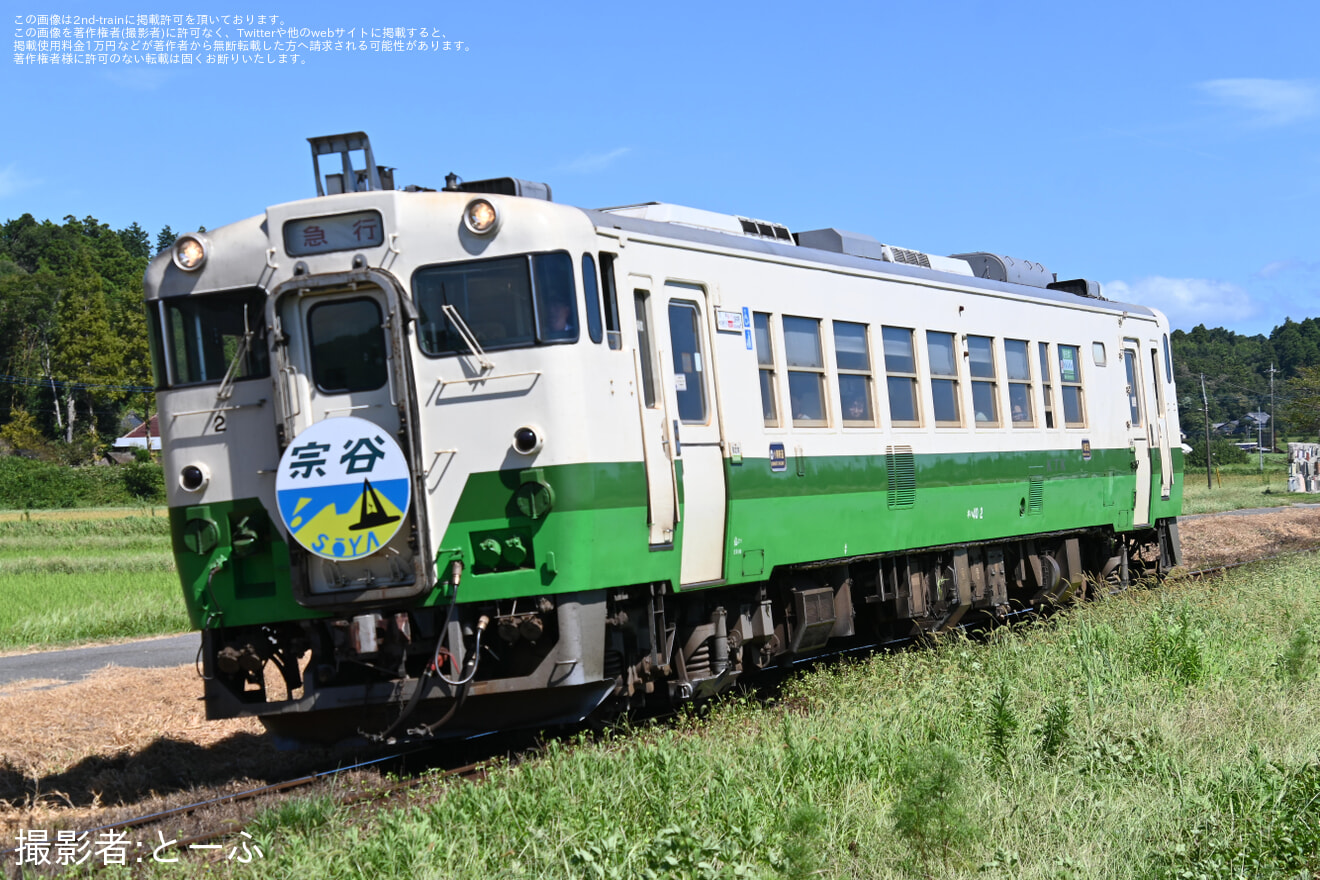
column 1237, row 376
column 74, row 357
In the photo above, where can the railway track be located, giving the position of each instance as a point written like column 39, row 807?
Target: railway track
column 205, row 839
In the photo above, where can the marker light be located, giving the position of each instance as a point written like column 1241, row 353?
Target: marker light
column 527, row 440
column 480, row 217
column 193, row 478
column 189, row 252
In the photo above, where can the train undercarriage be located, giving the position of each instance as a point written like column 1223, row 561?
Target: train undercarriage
column 465, row 669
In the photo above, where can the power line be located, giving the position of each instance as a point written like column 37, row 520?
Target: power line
column 77, row 386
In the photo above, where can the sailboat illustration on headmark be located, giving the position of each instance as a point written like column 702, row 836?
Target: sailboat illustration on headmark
column 373, row 512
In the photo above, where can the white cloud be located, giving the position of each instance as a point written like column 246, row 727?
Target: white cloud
column 11, row 182
column 1287, row 268
column 1189, row 301
column 1278, row 267
column 594, row 161
column 1269, row 101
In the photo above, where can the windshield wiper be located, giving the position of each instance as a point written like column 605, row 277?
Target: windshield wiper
column 469, row 339
column 226, row 389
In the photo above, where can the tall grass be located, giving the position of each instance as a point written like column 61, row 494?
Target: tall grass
column 71, row 580
column 1160, row 734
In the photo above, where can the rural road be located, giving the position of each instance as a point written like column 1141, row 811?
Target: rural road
column 72, row 664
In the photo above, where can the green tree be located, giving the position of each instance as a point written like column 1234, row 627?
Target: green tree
column 136, row 241
column 165, row 239
column 1302, row 410
column 88, row 357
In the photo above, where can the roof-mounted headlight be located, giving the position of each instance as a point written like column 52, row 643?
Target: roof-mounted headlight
column 190, row 252
column 480, row 217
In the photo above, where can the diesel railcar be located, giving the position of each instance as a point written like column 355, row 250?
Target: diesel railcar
column 445, row 461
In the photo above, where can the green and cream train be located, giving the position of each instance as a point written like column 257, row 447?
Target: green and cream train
column 451, row 461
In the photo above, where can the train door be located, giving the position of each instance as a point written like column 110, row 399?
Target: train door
column 1160, row 423
column 697, row 450
column 1138, row 438
column 662, row 500
column 341, row 361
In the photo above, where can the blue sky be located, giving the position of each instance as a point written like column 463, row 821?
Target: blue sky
column 1168, row 150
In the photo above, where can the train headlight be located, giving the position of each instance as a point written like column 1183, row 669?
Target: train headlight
column 190, row 252
column 528, row 440
column 194, row 477
column 480, row 217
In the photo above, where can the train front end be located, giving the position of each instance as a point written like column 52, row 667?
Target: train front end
column 384, row 510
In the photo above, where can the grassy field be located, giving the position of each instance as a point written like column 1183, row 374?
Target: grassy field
column 1240, row 486
column 67, row 579
column 1161, row 734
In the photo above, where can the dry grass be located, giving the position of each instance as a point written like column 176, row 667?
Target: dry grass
column 1235, row 537
column 71, row 514
column 118, row 737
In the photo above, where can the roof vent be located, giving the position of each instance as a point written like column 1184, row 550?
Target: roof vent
column 1079, row 287
column 500, row 186
column 765, row 229
column 1001, row 268
column 856, row 244
column 840, row 242
column 679, row 215
column 912, row 258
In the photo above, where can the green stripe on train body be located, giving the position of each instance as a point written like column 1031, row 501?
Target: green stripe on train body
column 595, row 535
column 251, row 580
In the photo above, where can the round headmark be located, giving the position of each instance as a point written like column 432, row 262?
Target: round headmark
column 343, row 488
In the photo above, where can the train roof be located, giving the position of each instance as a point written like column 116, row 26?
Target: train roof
column 830, row 247
column 849, row 250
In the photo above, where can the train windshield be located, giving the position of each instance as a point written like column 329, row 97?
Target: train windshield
column 199, row 338
column 508, row 302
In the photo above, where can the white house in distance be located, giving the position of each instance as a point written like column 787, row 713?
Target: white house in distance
column 145, row 436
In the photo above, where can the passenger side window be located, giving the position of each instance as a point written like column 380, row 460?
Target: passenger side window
column 901, row 376
column 943, row 378
column 1045, row 376
column 1070, row 386
column 765, row 361
column 1018, row 367
column 852, row 356
column 806, row 371
column 985, row 388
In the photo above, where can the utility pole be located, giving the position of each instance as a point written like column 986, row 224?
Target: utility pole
column 1206, row 404
column 1260, row 445
column 1273, row 439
